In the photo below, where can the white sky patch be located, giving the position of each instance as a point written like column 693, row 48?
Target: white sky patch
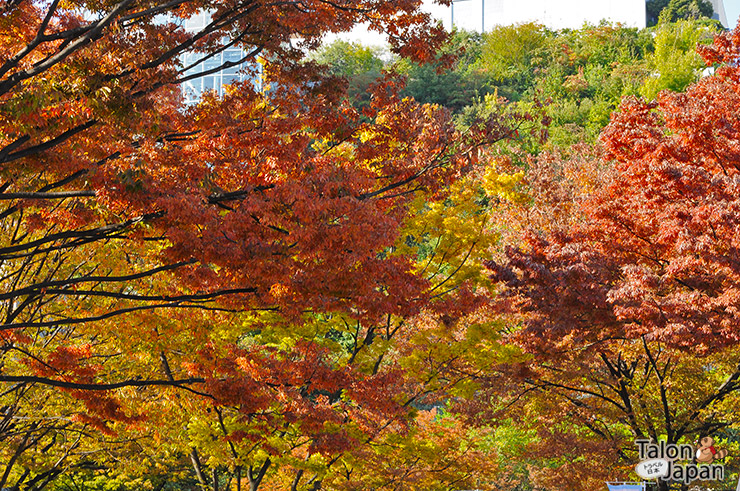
column 732, row 9
column 360, row 34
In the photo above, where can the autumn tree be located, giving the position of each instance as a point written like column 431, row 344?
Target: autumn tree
column 380, row 364
column 220, row 276
column 625, row 309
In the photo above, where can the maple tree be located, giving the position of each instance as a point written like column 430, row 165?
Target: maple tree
column 624, row 308
column 392, row 366
column 214, row 284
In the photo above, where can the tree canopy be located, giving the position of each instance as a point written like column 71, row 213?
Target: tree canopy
column 203, row 283
column 481, row 262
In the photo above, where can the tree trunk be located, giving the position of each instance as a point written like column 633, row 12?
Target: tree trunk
column 198, row 469
column 255, row 481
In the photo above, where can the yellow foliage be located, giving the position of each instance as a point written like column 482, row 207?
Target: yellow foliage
column 453, row 236
column 503, row 185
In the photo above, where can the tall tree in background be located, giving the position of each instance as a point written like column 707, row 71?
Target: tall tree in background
column 688, row 9
column 675, row 62
column 360, row 65
column 673, row 10
column 452, row 87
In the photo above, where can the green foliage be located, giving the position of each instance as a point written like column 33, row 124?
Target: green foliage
column 587, row 73
column 580, row 75
column 346, row 59
column 686, row 10
column 453, row 88
column 360, row 65
column 674, row 10
column 675, row 64
column 88, row 480
column 512, row 55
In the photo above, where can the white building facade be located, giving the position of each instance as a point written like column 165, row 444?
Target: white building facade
column 197, row 63
column 483, row 15
column 719, row 12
